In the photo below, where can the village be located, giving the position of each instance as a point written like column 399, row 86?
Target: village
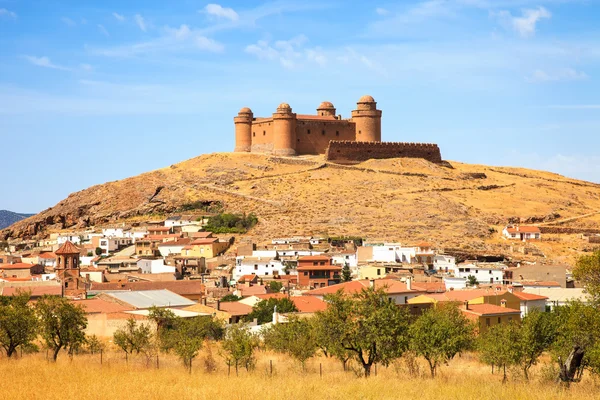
column 118, row 272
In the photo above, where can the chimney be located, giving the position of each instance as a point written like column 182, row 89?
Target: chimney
column 372, row 283
column 503, row 303
column 409, row 283
column 466, row 304
column 218, row 305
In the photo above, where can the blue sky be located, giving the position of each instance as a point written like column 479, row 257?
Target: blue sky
column 95, row 91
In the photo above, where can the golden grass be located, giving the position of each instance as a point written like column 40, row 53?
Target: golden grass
column 32, row 377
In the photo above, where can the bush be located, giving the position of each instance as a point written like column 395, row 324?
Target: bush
column 231, row 223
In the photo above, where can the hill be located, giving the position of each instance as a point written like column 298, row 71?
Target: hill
column 7, row 218
column 455, row 205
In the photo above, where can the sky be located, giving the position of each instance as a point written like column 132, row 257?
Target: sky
column 96, row 91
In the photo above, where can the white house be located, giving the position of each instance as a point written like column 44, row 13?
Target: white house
column 483, row 273
column 560, row 297
column 111, row 244
column 285, row 253
column 523, row 233
column 154, row 267
column 386, row 252
column 453, row 283
column 179, row 221
column 173, row 248
column 113, row 232
column 68, row 237
column 444, row 263
column 261, row 266
column 530, row 302
column 345, row 258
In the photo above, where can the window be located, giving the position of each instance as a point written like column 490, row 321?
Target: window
column 264, row 133
column 405, row 299
column 253, row 134
column 359, row 132
column 378, row 271
column 487, row 322
column 490, row 271
column 315, row 263
column 476, row 271
column 308, row 132
column 337, row 133
column 323, row 132
column 305, row 273
column 255, row 267
column 499, row 319
column 267, row 273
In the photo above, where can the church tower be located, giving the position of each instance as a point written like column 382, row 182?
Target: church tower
column 68, row 271
column 368, row 120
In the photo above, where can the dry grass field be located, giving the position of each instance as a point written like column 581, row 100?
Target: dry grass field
column 32, row 377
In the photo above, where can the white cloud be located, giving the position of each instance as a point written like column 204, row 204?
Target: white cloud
column 118, row 17
column 68, row 21
column 565, row 74
column 86, row 67
column 6, row 13
column 171, row 40
column 139, row 20
column 525, row 25
column 44, row 62
column 381, row 11
column 103, row 30
column 289, row 53
column 221, row 12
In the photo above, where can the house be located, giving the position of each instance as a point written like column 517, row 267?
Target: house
column 145, row 299
column 228, row 312
column 486, row 316
column 35, row 292
column 68, row 237
column 537, row 284
column 424, row 253
column 179, row 221
column 559, row 296
column 175, row 247
column 304, row 304
column 92, row 274
column 208, row 248
column 148, row 266
column 473, row 296
column 159, row 231
column 112, row 244
column 523, row 233
column 540, row 272
column 20, row 270
column 257, row 266
column 398, row 292
column 444, row 263
column 371, row 272
column 386, row 252
column 116, row 264
column 190, row 289
column 248, row 289
column 530, row 302
column 347, row 257
column 317, row 271
column 47, row 259
column 148, row 247
column 484, row 273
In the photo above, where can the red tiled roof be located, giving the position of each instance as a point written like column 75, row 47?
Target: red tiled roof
column 100, row 306
column 204, row 241
column 16, row 266
column 68, row 248
column 200, row 234
column 235, row 308
column 36, row 291
column 529, row 296
column 390, row 287
column 320, row 268
column 180, row 242
column 181, row 288
column 314, row 258
column 245, row 291
column 308, row 304
column 48, row 255
column 489, row 309
column 462, row 295
column 424, row 244
column 430, row 287
column 159, row 229
column 161, row 237
column 523, row 229
column 249, row 278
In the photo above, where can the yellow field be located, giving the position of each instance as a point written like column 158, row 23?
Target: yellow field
column 32, row 377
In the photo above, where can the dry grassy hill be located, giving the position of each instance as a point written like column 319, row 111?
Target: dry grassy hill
column 455, row 205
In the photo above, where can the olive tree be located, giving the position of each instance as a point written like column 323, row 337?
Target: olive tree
column 133, row 337
column 239, row 345
column 295, row 338
column 18, row 322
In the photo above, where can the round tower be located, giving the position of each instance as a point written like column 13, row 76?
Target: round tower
column 368, row 120
column 326, row 109
column 243, row 130
column 284, row 131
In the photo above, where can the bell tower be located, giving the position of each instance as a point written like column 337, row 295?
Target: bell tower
column 68, row 270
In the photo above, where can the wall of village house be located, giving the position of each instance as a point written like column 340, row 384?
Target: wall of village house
column 313, row 136
column 350, row 152
column 486, row 323
column 262, row 135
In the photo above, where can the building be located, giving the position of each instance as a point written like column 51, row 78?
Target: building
column 112, row 244
column 484, row 273
column 559, row 296
column 317, row 271
column 148, row 247
column 398, row 292
column 386, row 252
column 175, row 247
column 523, row 233
column 444, row 263
column 68, row 271
column 208, row 248
column 148, row 266
column 530, row 302
column 371, row 272
column 145, row 299
column 486, row 316
column 261, row 266
column 304, row 304
column 20, row 270
column 472, row 296
column 286, row 133
column 190, row 289
column 540, row 272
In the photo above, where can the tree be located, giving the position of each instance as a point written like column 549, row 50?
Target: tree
column 328, row 330
column 62, row 323
column 346, row 274
column 587, row 272
column 536, row 334
column 165, row 321
column 472, row 281
column 263, row 310
column 230, row 297
column 295, row 338
column 189, row 336
column 500, row 346
column 239, row 345
column 439, row 334
column 372, row 328
column 94, row 344
column 275, row 286
column 133, row 337
column 18, row 322
column 99, row 251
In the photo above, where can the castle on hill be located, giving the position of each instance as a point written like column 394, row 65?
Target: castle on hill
column 345, row 140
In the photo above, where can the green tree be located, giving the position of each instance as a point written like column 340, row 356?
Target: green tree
column 98, row 251
column 263, row 310
column 94, row 345
column 239, row 345
column 275, row 286
column 328, row 330
column 499, row 346
column 165, row 321
column 18, row 322
column 536, row 334
column 472, row 281
column 295, row 338
column 439, row 334
column 133, row 337
column 230, row 297
column 346, row 274
column 189, row 335
column 62, row 324
column 587, row 272
column 373, row 329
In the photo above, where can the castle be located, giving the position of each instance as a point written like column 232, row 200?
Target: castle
column 345, row 140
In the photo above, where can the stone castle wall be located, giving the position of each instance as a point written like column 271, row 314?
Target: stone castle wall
column 353, row 152
column 313, row 136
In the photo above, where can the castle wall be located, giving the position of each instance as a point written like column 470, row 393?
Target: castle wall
column 321, row 132
column 352, row 152
column 262, row 136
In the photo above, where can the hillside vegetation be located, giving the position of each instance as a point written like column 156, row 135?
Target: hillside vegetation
column 454, row 205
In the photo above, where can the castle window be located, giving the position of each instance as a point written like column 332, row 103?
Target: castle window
column 308, row 132
column 253, row 134
column 264, row 133
column 337, row 133
column 359, row 132
column 323, row 132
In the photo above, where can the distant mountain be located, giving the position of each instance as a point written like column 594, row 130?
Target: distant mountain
column 7, row 218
